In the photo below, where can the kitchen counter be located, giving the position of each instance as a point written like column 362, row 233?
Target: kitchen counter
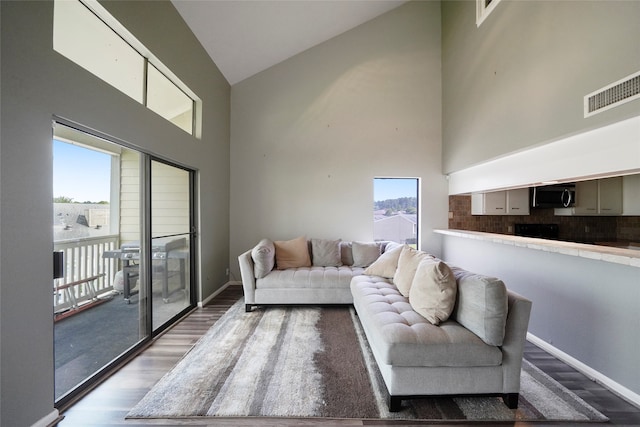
column 626, row 253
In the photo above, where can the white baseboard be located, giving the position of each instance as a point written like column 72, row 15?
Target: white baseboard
column 594, row 375
column 48, row 419
column 213, row 295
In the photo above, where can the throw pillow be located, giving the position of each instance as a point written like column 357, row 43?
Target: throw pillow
column 365, row 254
column 326, row 253
column 292, row 253
column 433, row 291
column 386, row 264
column 407, row 265
column 346, row 253
column 263, row 255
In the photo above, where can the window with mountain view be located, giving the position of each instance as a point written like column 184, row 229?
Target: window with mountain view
column 396, row 209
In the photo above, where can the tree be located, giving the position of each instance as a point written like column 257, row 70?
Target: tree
column 63, row 199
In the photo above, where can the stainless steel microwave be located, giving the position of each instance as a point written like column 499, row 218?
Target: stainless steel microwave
column 553, row 196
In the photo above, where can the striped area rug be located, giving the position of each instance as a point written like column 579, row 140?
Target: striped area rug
column 315, row 362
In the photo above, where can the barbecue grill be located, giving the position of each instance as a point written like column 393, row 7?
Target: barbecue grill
column 162, row 250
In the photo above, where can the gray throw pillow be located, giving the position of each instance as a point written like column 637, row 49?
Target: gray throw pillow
column 326, row 253
column 264, row 258
column 365, row 254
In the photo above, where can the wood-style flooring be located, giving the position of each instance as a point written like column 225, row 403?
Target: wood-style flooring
column 110, row 401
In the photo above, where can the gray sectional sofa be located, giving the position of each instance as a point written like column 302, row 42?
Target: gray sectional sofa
column 433, row 329
column 325, row 280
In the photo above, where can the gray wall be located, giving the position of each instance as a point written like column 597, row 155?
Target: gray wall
column 586, row 308
column 311, row 133
column 519, row 80
column 38, row 83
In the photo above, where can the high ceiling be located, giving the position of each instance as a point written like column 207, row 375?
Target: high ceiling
column 244, row 37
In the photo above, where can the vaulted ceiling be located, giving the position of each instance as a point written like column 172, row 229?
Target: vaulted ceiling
column 246, row 37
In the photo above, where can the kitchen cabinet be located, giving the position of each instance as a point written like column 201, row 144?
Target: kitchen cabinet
column 631, row 195
column 509, row 202
column 596, row 197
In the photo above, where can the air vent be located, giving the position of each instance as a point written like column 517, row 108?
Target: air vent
column 615, row 94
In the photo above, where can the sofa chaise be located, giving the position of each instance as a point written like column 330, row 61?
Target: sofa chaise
column 433, row 329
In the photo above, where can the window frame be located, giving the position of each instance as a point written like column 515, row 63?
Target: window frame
column 418, row 190
column 484, row 9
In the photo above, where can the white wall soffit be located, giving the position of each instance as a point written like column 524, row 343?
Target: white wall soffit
column 606, row 151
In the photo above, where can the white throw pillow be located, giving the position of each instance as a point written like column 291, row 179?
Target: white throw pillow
column 433, row 291
column 386, row 264
column 407, row 265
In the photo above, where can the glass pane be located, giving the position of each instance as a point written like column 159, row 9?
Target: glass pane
column 171, row 241
column 83, row 38
column 96, row 211
column 166, row 99
column 395, row 210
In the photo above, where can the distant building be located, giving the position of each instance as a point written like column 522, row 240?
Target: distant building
column 402, row 228
column 80, row 220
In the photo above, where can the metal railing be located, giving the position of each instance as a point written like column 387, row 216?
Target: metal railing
column 87, row 274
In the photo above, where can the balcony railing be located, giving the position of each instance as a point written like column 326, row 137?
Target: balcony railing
column 87, row 274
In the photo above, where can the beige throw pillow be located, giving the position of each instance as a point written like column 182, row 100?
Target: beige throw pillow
column 292, row 253
column 407, row 265
column 386, row 264
column 433, row 291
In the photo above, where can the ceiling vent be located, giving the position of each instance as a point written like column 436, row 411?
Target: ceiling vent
column 624, row 90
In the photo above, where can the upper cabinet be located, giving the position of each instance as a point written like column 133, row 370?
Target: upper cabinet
column 631, row 195
column 510, row 202
column 596, row 197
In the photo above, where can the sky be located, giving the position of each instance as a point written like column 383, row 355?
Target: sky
column 80, row 173
column 394, row 188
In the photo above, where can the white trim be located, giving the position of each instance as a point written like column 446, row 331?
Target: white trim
column 48, row 419
column 213, row 295
column 610, row 150
column 594, row 375
column 482, row 11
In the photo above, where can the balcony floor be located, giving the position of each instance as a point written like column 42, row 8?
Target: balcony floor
column 93, row 337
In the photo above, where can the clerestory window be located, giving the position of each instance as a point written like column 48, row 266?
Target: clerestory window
column 110, row 52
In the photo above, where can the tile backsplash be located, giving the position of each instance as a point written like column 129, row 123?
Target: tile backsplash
column 572, row 228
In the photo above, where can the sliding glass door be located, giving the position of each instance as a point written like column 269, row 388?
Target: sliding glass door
column 171, row 241
column 123, row 239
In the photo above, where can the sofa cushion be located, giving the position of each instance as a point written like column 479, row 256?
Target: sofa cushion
column 264, row 258
column 401, row 337
column 292, row 253
column 386, row 264
column 433, row 291
column 365, row 254
column 407, row 265
column 309, row 277
column 481, row 306
column 326, row 253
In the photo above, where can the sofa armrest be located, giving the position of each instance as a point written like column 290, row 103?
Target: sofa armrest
column 248, row 277
column 514, row 341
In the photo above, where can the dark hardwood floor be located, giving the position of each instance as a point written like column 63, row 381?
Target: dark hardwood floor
column 110, row 401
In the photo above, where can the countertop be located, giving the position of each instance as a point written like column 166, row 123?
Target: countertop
column 626, row 253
